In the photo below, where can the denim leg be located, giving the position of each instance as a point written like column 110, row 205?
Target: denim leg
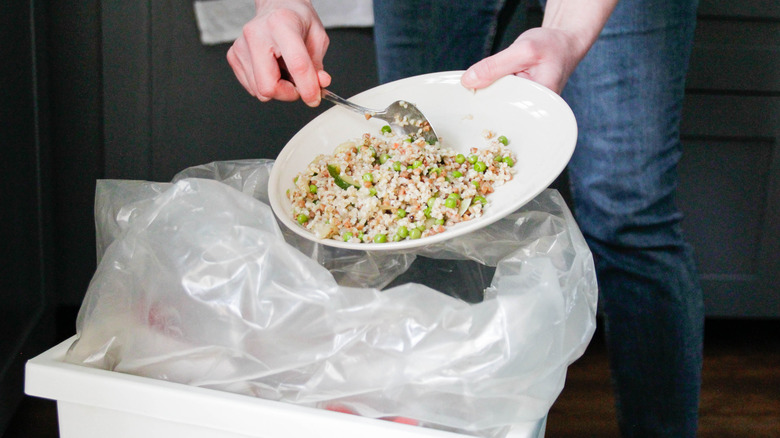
column 627, row 97
column 422, row 36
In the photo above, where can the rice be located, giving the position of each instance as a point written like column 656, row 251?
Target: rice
column 385, row 187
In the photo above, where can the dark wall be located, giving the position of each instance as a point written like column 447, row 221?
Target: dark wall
column 25, row 201
column 73, row 48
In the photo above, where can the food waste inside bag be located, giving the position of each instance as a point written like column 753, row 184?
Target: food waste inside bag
column 198, row 284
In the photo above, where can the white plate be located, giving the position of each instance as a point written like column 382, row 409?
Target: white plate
column 540, row 127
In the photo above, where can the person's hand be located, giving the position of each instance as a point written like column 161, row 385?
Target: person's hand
column 280, row 52
column 546, row 56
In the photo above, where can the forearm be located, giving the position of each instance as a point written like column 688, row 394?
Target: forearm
column 581, row 19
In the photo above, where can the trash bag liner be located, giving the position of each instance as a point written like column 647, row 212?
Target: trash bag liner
column 197, row 283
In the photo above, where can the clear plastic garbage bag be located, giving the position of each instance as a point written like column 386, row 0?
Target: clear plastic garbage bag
column 198, row 284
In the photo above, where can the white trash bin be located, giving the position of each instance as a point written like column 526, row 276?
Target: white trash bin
column 204, row 320
column 95, row 403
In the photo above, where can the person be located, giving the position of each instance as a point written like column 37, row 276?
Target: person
column 621, row 67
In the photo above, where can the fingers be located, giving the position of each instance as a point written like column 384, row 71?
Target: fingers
column 317, row 45
column 324, row 78
column 299, row 64
column 507, row 62
column 242, row 70
column 540, row 55
column 280, row 55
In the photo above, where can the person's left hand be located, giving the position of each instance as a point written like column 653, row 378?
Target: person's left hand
column 544, row 55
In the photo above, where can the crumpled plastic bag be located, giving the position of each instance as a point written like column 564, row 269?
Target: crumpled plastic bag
column 198, row 284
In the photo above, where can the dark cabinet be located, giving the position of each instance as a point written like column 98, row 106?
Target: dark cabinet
column 730, row 188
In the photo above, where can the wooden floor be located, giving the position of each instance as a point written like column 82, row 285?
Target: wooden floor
column 740, row 386
column 740, row 390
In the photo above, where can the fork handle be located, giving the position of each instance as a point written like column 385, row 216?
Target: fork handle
column 338, row 100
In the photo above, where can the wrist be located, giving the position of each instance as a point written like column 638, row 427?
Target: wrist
column 579, row 21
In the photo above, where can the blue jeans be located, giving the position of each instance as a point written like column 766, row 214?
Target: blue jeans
column 627, row 96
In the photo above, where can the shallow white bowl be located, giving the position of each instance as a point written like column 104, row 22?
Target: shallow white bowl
column 540, row 126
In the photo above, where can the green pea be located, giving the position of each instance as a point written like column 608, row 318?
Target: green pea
column 372, row 151
column 439, row 221
column 476, row 184
column 451, row 203
column 368, row 177
column 408, row 139
column 397, row 166
column 347, row 236
column 383, row 158
column 460, row 159
column 400, row 213
column 453, row 196
column 387, row 129
column 312, row 188
column 427, row 212
column 457, row 174
column 397, row 238
column 509, row 161
column 372, row 191
column 431, row 201
column 415, row 233
column 402, row 232
column 433, row 170
column 480, row 199
column 380, row 238
column 302, row 218
column 472, row 159
column 498, row 158
column 503, row 140
column 416, row 164
column 479, row 166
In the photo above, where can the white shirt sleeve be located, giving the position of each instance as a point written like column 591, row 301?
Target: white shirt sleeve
column 345, row 13
column 221, row 21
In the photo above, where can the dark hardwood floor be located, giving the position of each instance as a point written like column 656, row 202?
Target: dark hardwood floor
column 740, row 390
column 740, row 395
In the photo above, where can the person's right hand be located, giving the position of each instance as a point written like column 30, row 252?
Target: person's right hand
column 280, row 52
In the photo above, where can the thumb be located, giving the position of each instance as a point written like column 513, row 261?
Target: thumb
column 486, row 71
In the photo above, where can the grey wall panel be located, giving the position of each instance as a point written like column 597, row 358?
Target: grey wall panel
column 25, row 198
column 73, row 45
column 730, row 115
column 125, row 43
column 724, row 195
column 733, row 55
column 745, row 9
column 730, row 186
